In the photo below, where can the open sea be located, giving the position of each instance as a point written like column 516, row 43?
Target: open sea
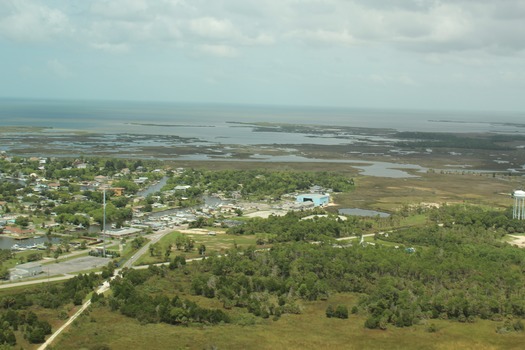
column 213, row 122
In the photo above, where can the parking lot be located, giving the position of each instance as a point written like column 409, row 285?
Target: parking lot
column 75, row 265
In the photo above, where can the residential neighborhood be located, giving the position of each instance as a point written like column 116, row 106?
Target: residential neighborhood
column 51, row 207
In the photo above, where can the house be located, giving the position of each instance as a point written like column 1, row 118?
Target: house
column 118, row 191
column 17, row 230
column 141, row 180
column 101, row 178
column 53, row 186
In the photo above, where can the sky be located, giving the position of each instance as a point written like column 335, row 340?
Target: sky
column 410, row 54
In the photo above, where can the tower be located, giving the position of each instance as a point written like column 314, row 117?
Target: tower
column 104, row 224
column 518, row 212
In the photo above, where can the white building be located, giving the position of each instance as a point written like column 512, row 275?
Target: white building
column 25, row 270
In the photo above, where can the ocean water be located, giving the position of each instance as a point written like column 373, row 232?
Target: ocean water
column 212, row 122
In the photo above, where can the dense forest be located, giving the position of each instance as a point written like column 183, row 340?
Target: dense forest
column 455, row 268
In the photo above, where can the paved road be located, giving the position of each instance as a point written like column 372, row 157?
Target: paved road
column 154, row 238
column 356, row 237
column 27, row 283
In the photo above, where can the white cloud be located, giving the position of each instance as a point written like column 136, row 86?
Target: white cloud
column 218, row 50
column 112, row 48
column 59, row 69
column 209, row 27
column 427, row 26
column 321, row 36
column 28, row 22
column 121, row 9
column 386, row 80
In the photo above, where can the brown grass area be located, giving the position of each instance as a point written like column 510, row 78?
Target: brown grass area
column 390, row 194
column 310, row 330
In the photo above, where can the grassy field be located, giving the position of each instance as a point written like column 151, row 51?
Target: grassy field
column 390, row 194
column 219, row 244
column 310, row 330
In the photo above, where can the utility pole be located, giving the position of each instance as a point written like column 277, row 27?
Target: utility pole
column 104, row 226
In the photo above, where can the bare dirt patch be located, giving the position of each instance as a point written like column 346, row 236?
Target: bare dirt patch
column 195, row 231
column 266, row 213
column 518, row 240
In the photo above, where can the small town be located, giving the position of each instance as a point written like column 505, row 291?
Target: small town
column 84, row 212
column 266, row 175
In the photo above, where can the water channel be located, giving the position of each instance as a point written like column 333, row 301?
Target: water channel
column 156, row 187
column 8, row 242
column 362, row 212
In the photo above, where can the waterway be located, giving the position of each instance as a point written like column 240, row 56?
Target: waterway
column 209, row 201
column 156, row 187
column 8, row 242
column 362, row 212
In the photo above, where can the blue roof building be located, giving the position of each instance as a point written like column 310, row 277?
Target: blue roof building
column 316, row 198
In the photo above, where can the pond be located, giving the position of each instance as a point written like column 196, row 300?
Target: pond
column 362, row 212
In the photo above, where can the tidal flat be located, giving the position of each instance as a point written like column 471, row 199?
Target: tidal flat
column 278, row 142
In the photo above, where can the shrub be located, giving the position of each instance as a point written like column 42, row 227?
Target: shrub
column 341, row 311
column 330, row 312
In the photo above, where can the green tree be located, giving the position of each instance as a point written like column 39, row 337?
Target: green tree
column 22, row 221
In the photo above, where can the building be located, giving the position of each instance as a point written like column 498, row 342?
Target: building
column 14, row 230
column 25, row 270
column 123, row 232
column 118, row 191
column 316, row 198
column 101, row 178
column 141, row 180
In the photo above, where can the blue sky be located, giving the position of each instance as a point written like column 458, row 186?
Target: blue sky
column 422, row 54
